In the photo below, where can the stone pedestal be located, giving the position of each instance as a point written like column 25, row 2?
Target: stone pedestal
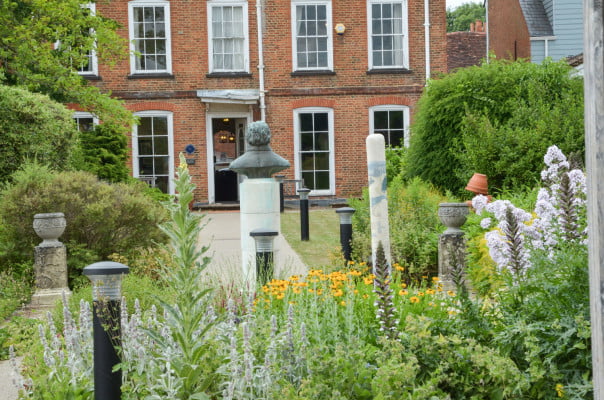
column 451, row 259
column 259, row 209
column 50, row 261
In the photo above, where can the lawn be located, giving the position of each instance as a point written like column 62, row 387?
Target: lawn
column 323, row 246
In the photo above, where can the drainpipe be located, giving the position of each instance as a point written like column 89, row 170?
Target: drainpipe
column 486, row 13
column 260, row 60
column 427, row 36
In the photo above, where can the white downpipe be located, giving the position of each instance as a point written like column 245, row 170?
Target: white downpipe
column 260, row 60
column 486, row 12
column 427, row 36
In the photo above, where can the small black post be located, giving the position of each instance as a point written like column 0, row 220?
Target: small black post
column 304, row 213
column 279, row 179
column 345, row 214
column 106, row 278
column 264, row 254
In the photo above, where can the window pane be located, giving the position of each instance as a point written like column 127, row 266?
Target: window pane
column 396, row 120
column 308, row 161
column 160, row 145
column 161, row 182
column 309, row 180
column 160, row 125
column 145, row 165
column 145, row 146
column 145, row 126
column 322, row 161
column 397, row 138
column 159, row 14
column 322, row 141
column 380, row 120
column 321, row 122
column 149, row 46
column 161, row 165
column 148, row 14
column 306, row 141
column 306, row 122
column 322, row 180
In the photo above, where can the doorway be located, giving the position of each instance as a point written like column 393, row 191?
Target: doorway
column 228, row 140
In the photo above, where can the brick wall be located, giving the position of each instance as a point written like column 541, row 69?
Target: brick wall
column 508, row 33
column 465, row 49
column 350, row 89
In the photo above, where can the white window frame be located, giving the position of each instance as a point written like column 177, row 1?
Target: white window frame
column 246, row 47
column 327, row 4
column 391, row 107
column 133, row 56
column 94, row 65
column 297, row 154
column 135, row 155
column 405, row 28
column 82, row 114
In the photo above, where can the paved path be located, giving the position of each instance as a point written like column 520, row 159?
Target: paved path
column 221, row 233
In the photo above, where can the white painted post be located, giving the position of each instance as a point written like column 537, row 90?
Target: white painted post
column 259, row 209
column 378, row 195
column 594, row 157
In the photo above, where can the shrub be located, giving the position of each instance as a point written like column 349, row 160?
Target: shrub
column 32, row 126
column 104, row 152
column 500, row 117
column 101, row 218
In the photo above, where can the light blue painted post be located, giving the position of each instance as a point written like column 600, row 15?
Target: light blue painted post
column 378, row 196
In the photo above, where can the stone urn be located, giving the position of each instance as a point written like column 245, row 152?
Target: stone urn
column 49, row 227
column 453, row 216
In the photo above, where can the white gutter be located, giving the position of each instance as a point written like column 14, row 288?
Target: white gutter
column 427, row 36
column 260, row 60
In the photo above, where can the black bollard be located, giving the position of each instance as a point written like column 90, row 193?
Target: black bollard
column 304, row 213
column 345, row 214
column 106, row 279
column 279, row 179
column 264, row 254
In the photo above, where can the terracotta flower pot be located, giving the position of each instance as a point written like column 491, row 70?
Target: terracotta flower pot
column 478, row 184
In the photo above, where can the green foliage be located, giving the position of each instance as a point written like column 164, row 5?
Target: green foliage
column 544, row 323
column 184, row 275
column 498, row 119
column 414, row 226
column 461, row 17
column 101, row 218
column 104, row 152
column 29, row 30
column 34, row 127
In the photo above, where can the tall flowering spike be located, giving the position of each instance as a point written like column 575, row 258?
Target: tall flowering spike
column 385, row 310
column 568, row 210
column 517, row 260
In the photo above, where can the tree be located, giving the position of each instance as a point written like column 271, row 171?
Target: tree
column 104, row 152
column 42, row 42
column 32, row 126
column 460, row 18
column 497, row 119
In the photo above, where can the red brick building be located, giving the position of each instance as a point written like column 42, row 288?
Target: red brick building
column 321, row 73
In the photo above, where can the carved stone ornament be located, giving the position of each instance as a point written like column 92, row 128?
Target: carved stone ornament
column 49, row 227
column 453, row 216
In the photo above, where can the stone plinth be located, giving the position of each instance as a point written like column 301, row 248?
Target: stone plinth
column 451, row 259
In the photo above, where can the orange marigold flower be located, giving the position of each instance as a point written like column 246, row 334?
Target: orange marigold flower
column 337, row 293
column 430, row 291
column 420, row 293
column 403, row 292
column 404, row 285
column 435, row 279
column 414, row 299
column 280, row 296
column 342, row 303
column 451, row 293
column 365, row 296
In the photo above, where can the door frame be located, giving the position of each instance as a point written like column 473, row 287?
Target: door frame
column 210, row 115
